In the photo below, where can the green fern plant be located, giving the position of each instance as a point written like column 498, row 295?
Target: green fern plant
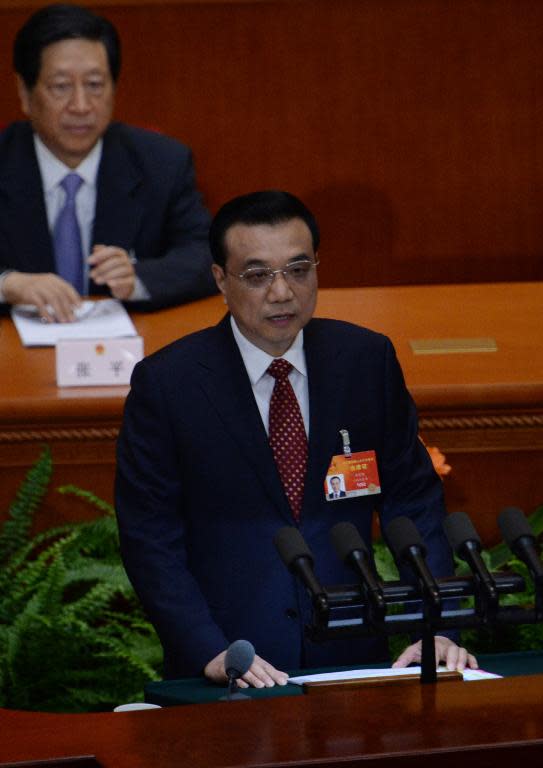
column 72, row 634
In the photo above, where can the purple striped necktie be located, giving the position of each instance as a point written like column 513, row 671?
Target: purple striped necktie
column 67, row 236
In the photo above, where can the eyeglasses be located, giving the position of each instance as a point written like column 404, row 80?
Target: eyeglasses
column 64, row 91
column 296, row 273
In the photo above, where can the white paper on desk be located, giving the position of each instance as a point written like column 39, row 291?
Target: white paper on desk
column 106, row 319
column 363, row 674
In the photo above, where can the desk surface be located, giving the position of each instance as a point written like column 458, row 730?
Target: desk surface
column 511, row 313
column 485, row 724
column 198, row 690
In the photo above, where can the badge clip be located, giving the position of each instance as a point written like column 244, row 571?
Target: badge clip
column 346, row 442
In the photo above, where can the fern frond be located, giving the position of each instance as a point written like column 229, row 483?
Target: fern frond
column 15, row 531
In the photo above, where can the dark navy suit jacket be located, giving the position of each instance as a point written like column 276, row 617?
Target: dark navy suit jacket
column 199, row 498
column 146, row 202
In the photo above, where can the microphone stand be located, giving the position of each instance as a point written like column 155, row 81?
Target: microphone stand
column 428, row 672
column 234, row 693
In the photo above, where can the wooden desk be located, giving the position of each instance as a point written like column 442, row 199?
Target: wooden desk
column 485, row 410
column 486, row 724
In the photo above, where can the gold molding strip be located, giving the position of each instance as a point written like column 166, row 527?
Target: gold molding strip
column 452, row 346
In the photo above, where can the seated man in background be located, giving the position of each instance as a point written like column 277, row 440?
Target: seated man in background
column 86, row 205
column 228, row 436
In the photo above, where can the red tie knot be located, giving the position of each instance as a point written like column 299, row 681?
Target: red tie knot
column 280, row 369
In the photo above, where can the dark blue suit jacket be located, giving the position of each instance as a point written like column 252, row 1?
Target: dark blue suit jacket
column 146, row 202
column 199, row 498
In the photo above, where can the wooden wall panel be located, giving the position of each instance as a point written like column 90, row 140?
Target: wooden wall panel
column 412, row 127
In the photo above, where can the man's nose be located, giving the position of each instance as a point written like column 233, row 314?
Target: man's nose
column 279, row 289
column 79, row 101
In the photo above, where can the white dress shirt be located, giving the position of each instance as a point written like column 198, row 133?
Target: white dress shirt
column 53, row 172
column 257, row 363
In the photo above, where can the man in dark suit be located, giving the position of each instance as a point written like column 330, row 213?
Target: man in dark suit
column 336, row 492
column 140, row 227
column 205, row 481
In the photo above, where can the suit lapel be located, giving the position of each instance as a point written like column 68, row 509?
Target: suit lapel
column 326, row 387
column 23, row 208
column 118, row 209
column 228, row 388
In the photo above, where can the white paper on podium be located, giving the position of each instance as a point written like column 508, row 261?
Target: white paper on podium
column 106, row 319
column 363, row 674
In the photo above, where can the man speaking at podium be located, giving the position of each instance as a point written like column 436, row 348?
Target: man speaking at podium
column 86, row 205
column 229, row 434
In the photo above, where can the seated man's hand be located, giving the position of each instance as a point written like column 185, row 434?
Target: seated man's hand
column 452, row 655
column 54, row 298
column 259, row 675
column 113, row 267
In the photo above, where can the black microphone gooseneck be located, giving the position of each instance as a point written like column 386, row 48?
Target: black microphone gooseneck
column 352, row 550
column 520, row 539
column 465, row 541
column 298, row 558
column 407, row 546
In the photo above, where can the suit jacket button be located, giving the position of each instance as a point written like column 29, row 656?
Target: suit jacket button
column 290, row 613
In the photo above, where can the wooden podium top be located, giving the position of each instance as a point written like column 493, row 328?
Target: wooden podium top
column 483, row 724
column 510, row 377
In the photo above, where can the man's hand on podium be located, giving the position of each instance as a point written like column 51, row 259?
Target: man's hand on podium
column 259, row 675
column 453, row 656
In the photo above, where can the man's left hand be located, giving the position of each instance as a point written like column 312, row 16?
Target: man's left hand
column 112, row 266
column 453, row 656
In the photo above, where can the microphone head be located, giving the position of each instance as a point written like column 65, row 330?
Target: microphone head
column 460, row 529
column 513, row 524
column 291, row 545
column 239, row 657
column 346, row 539
column 402, row 534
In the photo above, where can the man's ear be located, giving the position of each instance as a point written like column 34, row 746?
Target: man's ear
column 220, row 277
column 24, row 95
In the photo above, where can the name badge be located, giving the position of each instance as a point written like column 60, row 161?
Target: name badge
column 350, row 475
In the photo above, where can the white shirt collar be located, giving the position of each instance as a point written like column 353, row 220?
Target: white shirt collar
column 53, row 170
column 257, row 361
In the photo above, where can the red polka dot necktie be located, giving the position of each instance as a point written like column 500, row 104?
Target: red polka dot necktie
column 287, row 435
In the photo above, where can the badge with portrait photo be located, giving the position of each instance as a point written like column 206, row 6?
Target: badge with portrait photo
column 352, row 475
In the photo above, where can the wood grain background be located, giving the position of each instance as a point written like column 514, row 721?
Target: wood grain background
column 411, row 127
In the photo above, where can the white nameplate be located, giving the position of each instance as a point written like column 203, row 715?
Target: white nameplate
column 97, row 362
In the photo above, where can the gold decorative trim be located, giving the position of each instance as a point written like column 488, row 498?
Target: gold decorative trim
column 510, row 421
column 57, row 435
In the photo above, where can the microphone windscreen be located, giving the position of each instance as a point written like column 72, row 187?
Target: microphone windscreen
column 460, row 529
column 513, row 525
column 402, row 534
column 239, row 657
column 291, row 545
column 346, row 539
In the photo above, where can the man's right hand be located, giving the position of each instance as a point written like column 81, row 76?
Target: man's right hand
column 259, row 675
column 54, row 298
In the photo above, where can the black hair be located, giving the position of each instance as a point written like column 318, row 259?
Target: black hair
column 54, row 23
column 270, row 206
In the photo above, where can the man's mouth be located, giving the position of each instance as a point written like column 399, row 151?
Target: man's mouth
column 281, row 319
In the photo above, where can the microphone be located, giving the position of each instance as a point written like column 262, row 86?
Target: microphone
column 465, row 541
column 239, row 656
column 521, row 540
column 298, row 558
column 352, row 550
column 407, row 546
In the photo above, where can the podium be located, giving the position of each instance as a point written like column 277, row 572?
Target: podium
column 486, row 724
